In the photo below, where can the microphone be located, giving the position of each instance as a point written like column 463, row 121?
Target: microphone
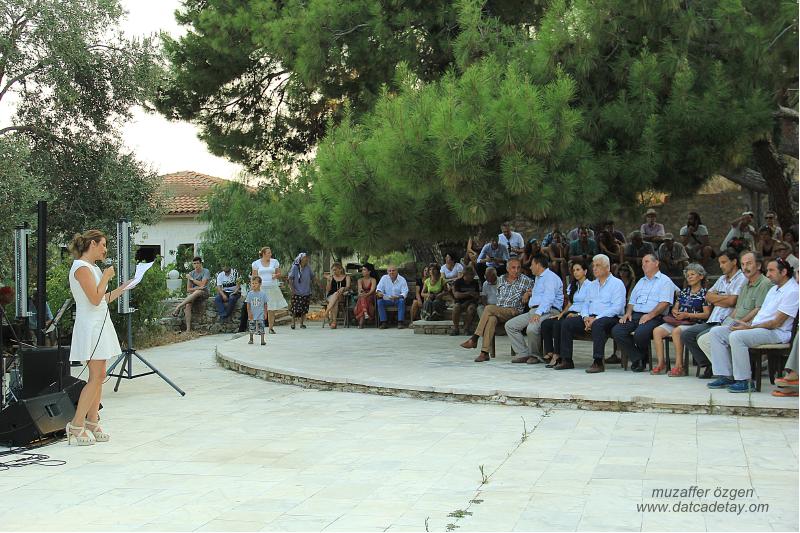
column 108, row 262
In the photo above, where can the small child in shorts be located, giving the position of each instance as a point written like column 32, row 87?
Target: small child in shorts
column 256, row 309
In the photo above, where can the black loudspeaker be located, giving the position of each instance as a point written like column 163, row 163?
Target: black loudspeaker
column 41, row 367
column 30, row 419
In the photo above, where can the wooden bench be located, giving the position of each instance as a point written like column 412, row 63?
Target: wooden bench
column 777, row 354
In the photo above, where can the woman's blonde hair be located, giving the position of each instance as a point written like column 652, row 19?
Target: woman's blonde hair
column 263, row 251
column 337, row 266
column 81, row 241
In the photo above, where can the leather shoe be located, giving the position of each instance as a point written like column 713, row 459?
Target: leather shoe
column 521, row 359
column 553, row 362
column 597, row 367
column 482, row 357
column 708, row 372
column 534, row 360
column 564, row 364
column 637, row 366
column 469, row 343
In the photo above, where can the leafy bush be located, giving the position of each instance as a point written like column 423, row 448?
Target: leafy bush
column 147, row 299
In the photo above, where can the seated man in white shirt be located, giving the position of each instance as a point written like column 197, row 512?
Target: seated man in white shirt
column 391, row 292
column 228, row 292
column 772, row 325
column 488, row 290
column 741, row 228
column 512, row 240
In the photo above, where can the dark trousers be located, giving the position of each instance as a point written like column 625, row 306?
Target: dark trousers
column 634, row 339
column 243, row 318
column 573, row 327
column 225, row 309
column 689, row 336
column 480, row 269
column 551, row 335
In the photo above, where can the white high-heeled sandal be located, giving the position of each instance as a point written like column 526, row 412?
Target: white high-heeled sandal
column 83, row 438
column 97, row 431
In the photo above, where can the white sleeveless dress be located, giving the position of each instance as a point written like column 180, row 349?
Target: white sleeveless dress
column 93, row 326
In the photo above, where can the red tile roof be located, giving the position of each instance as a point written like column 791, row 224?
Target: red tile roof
column 187, row 190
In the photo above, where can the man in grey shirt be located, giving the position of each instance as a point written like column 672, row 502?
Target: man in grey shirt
column 196, row 290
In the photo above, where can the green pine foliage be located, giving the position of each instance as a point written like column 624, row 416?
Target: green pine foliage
column 425, row 120
column 242, row 220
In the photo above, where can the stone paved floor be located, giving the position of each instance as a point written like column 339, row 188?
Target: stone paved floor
column 242, row 454
column 437, row 363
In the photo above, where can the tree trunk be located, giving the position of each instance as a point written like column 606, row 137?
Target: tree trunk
column 424, row 252
column 773, row 170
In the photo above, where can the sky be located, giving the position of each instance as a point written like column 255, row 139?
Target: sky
column 166, row 146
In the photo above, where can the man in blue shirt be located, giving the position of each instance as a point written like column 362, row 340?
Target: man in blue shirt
column 493, row 254
column 545, row 302
column 604, row 304
column 650, row 299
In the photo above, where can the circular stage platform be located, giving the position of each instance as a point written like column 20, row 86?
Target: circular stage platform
column 400, row 363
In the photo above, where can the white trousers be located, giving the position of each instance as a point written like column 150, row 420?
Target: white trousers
column 730, row 354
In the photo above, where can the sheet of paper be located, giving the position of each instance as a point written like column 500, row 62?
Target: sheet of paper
column 141, row 268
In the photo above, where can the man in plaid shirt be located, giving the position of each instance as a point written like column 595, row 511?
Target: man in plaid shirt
column 513, row 292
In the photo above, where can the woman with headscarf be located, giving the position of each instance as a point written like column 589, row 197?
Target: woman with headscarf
column 300, row 277
column 367, row 285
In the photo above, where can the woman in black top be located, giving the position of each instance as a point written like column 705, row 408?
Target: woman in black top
column 338, row 288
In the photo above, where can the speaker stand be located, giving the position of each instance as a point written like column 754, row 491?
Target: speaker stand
column 126, row 370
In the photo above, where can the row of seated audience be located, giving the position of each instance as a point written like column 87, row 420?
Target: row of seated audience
column 582, row 243
column 744, row 308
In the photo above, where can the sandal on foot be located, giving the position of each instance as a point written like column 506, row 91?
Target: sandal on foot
column 677, row 372
column 83, row 437
column 782, row 393
column 784, row 382
column 660, row 369
column 97, row 431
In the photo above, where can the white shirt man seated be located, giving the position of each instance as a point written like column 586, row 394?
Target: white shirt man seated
column 392, row 291
column 771, row 325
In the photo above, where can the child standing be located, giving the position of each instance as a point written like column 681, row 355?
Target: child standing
column 256, row 309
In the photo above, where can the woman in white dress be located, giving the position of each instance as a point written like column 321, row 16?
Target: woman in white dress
column 93, row 336
column 270, row 271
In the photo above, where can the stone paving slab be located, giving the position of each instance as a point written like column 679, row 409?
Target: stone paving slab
column 240, row 454
column 435, row 367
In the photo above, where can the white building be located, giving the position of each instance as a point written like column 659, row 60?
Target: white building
column 180, row 225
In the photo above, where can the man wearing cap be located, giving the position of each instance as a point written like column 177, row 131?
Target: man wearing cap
column 741, row 228
column 651, row 230
column 672, row 255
